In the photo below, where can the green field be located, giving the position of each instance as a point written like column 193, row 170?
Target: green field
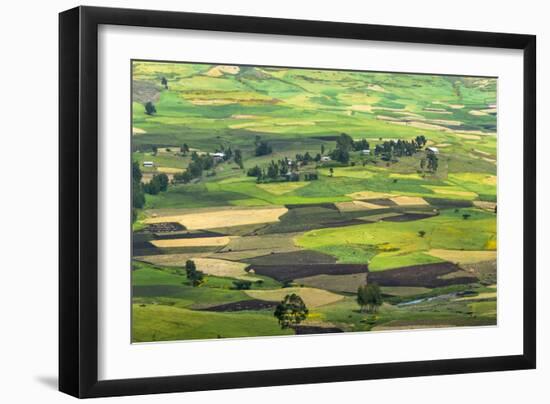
column 375, row 178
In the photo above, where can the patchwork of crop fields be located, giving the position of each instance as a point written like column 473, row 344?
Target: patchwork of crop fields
column 315, row 183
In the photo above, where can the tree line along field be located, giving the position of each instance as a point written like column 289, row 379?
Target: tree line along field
column 362, row 201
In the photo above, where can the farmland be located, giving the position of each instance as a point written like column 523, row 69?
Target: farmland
column 253, row 184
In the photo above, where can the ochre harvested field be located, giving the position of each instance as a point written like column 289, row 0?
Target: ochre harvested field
column 463, row 256
column 490, row 206
column 468, row 137
column 409, row 200
column 428, row 275
column 288, row 272
column 219, row 71
column 480, row 296
column 170, row 260
column 223, row 218
column 169, row 170
column 354, row 206
column 224, row 268
column 272, row 242
column 312, row 297
column 369, row 195
column 192, row 242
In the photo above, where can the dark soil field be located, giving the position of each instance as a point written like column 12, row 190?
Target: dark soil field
column 407, row 217
column 289, row 272
column 197, row 234
column 309, row 329
column 164, row 227
column 427, row 275
column 244, row 305
column 313, row 205
column 297, row 257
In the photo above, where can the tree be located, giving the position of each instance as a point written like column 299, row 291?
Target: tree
column 433, row 162
column 369, row 297
column 465, row 216
column 184, row 177
column 138, row 196
column 164, row 82
column 194, row 276
column 273, row 170
column 420, row 141
column 184, row 149
column 344, row 142
column 242, row 284
column 195, row 168
column 238, row 158
column 159, row 183
column 322, row 149
column 150, row 108
column 421, row 233
column 162, row 180
column 363, row 144
column 263, row 148
column 331, row 171
column 291, row 311
column 254, row 171
column 340, row 155
column 136, row 172
column 422, row 163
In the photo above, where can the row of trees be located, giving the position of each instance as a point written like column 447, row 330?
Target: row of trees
column 344, row 145
column 194, row 276
column 391, row 148
column 201, row 163
column 159, row 183
column 431, row 162
column 274, row 170
column 262, row 148
column 138, row 196
column 369, row 297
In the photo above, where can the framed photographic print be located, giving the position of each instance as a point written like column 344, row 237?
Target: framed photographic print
column 250, row 201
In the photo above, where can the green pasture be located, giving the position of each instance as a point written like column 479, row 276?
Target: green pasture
column 399, row 244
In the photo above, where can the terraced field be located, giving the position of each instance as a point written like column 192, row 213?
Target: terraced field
column 312, row 183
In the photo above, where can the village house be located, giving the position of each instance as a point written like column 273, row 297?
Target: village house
column 325, row 158
column 148, row 164
column 432, row 150
column 218, row 156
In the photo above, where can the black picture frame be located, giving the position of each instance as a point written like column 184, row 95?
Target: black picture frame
column 78, row 201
